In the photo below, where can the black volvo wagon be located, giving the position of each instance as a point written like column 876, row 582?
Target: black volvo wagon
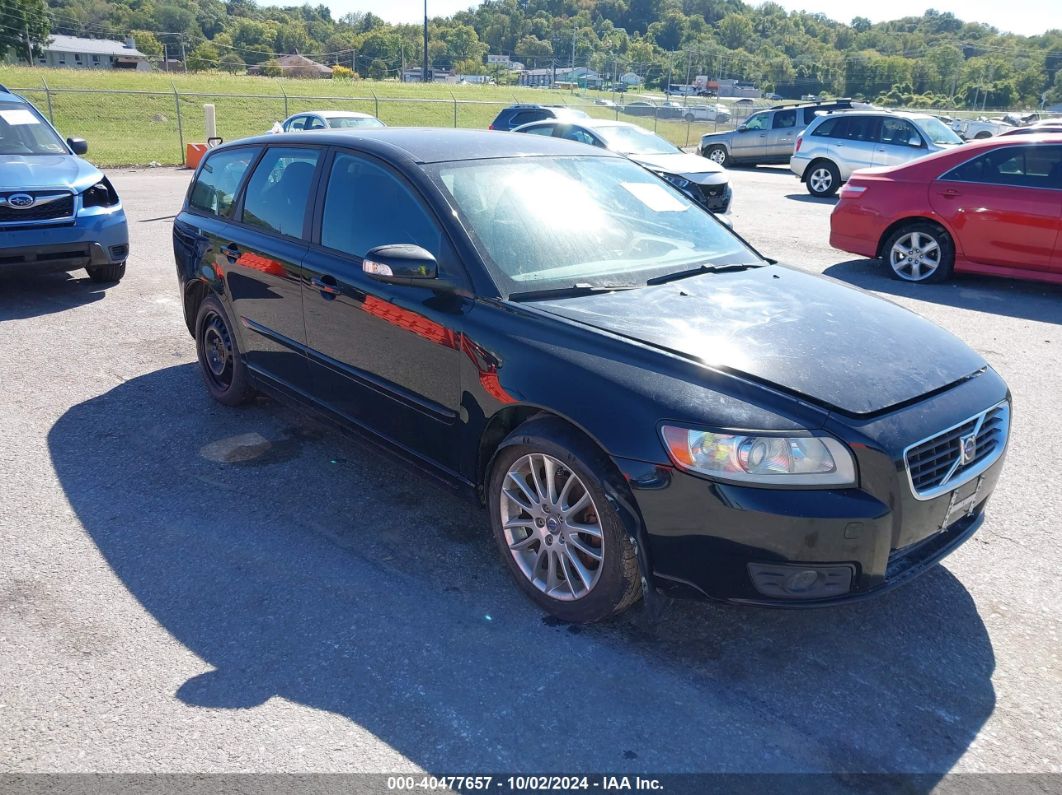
column 640, row 399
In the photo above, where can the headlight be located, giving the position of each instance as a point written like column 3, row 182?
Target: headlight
column 674, row 179
column 764, row 460
column 102, row 194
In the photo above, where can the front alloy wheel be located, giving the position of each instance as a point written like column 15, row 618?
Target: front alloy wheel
column 717, row 154
column 557, row 528
column 552, row 527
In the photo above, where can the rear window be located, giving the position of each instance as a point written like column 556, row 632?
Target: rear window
column 279, row 190
column 218, row 180
column 528, row 116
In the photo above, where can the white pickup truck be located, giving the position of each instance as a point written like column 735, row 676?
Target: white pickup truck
column 719, row 113
column 982, row 127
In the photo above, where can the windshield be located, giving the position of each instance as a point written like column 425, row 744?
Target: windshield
column 22, row 132
column 347, row 122
column 544, row 224
column 937, row 131
column 635, row 141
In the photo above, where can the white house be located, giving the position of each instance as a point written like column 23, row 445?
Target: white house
column 73, row 52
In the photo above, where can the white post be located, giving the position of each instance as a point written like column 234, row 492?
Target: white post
column 209, row 122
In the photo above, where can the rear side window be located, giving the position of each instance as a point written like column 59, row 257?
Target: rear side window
column 528, row 116
column 827, row 127
column 542, row 129
column 1018, row 166
column 215, row 187
column 857, row 128
column 367, row 206
column 278, row 193
column 784, row 119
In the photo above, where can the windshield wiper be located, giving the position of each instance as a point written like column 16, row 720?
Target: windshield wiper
column 573, row 291
column 706, row 268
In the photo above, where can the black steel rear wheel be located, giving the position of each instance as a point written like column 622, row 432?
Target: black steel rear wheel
column 219, row 356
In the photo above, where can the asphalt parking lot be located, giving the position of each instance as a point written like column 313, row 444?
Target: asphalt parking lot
column 190, row 588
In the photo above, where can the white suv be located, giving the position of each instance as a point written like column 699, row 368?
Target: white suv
column 836, row 144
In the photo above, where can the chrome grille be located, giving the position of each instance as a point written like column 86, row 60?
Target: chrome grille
column 47, row 206
column 953, row 457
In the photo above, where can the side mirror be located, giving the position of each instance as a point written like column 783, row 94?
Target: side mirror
column 914, row 140
column 79, row 146
column 743, row 128
column 402, row 264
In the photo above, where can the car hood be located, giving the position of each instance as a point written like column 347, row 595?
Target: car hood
column 47, row 171
column 679, row 163
column 826, row 342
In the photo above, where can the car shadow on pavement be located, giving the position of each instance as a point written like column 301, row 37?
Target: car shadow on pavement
column 29, row 295
column 1020, row 299
column 298, row 563
column 807, row 198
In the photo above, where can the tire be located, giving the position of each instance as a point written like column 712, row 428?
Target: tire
column 718, row 154
column 106, row 273
column 219, row 356
column 823, row 179
column 919, row 252
column 982, row 135
column 597, row 580
column 689, row 118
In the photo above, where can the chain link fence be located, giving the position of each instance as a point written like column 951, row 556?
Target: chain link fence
column 126, row 127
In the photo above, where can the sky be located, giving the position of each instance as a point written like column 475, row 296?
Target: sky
column 1027, row 17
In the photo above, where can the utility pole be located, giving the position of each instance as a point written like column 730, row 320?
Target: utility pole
column 424, row 73
column 29, row 47
column 184, row 56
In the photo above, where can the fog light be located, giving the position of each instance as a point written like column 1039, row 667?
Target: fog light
column 801, row 581
column 796, row 581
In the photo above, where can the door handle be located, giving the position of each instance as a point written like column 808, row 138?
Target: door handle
column 949, row 193
column 326, row 285
column 232, row 252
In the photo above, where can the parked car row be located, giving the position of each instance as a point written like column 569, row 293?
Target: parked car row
column 767, row 136
column 552, row 322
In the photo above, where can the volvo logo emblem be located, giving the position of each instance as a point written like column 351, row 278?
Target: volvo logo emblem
column 967, row 449
column 20, row 201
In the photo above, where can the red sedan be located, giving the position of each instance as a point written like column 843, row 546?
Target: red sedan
column 992, row 207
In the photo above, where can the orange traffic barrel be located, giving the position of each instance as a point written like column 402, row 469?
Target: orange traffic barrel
column 193, row 153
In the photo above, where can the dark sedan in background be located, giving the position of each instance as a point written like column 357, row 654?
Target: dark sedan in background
column 704, row 181
column 640, row 399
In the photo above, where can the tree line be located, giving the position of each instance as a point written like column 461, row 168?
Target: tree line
column 933, row 60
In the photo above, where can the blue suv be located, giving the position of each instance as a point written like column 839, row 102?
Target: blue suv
column 57, row 211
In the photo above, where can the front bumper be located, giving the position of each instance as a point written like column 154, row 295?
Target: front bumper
column 746, row 545
column 101, row 238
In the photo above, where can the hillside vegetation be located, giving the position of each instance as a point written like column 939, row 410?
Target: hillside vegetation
column 935, row 59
